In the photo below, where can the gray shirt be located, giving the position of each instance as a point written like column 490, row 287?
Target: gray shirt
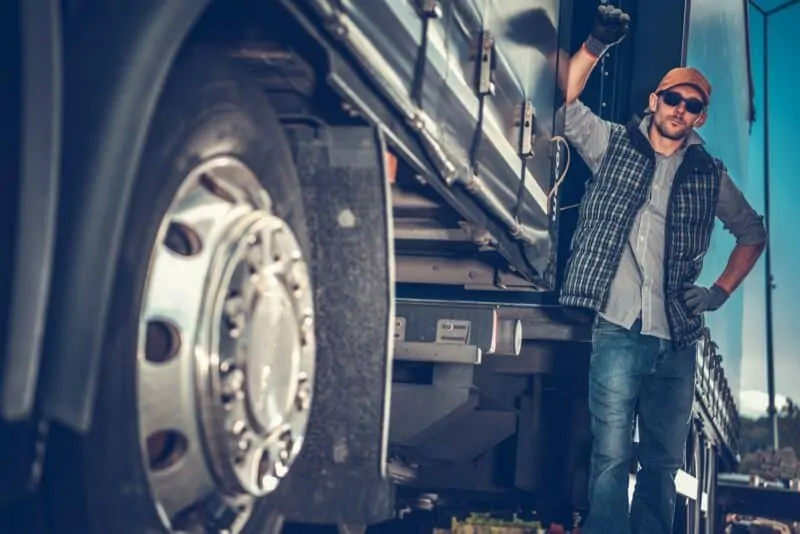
column 637, row 290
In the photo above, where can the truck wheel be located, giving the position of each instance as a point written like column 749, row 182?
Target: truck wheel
column 210, row 347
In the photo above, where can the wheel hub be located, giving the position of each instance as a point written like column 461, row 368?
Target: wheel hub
column 265, row 322
column 226, row 344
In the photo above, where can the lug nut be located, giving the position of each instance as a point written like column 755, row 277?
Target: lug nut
column 267, row 471
column 277, row 240
column 306, row 327
column 255, row 258
column 226, row 365
column 302, row 399
column 281, row 470
column 235, row 315
column 233, row 383
column 238, row 427
column 286, row 445
column 294, row 281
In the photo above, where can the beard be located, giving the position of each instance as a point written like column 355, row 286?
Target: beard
column 680, row 135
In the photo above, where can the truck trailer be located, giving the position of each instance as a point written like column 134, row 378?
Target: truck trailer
column 271, row 264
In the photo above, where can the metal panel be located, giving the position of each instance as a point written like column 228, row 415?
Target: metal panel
column 449, row 322
column 554, row 323
column 386, row 104
column 717, row 45
column 411, row 351
column 466, row 438
column 385, row 37
column 418, row 409
column 470, row 273
column 533, row 79
column 340, row 475
column 546, row 357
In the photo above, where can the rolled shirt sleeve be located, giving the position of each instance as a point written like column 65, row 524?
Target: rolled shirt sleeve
column 738, row 216
column 587, row 132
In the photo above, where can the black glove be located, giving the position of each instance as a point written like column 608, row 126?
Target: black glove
column 610, row 27
column 701, row 299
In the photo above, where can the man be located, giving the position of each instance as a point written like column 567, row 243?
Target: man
column 644, row 227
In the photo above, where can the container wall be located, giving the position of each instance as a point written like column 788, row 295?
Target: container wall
column 717, row 45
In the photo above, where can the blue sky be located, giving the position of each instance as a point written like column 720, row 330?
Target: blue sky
column 715, row 48
column 784, row 114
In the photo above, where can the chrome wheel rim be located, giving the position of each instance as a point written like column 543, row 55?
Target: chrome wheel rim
column 226, row 350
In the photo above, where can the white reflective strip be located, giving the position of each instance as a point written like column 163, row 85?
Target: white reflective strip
column 685, row 484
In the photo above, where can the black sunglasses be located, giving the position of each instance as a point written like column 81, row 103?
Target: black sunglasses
column 673, row 99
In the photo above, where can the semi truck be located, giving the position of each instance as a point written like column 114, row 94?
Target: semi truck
column 279, row 263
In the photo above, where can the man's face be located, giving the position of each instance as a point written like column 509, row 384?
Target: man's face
column 677, row 110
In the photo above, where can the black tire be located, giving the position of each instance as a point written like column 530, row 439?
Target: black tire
column 97, row 483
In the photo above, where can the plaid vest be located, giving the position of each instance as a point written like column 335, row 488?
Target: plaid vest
column 613, row 198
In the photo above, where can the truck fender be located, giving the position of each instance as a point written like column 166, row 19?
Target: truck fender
column 117, row 57
column 35, row 205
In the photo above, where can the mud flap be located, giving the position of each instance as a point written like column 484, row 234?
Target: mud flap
column 340, row 474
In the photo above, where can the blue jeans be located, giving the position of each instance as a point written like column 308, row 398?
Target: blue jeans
column 632, row 374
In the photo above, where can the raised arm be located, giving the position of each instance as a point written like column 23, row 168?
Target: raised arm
column 587, row 132
column 610, row 27
column 581, row 65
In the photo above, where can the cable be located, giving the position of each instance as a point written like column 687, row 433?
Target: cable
column 554, row 191
column 570, row 207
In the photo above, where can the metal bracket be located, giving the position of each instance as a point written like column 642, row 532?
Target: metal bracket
column 399, row 329
column 414, row 351
column 440, row 324
column 486, row 65
column 335, row 22
column 526, row 123
column 430, row 8
column 484, row 80
column 453, row 332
